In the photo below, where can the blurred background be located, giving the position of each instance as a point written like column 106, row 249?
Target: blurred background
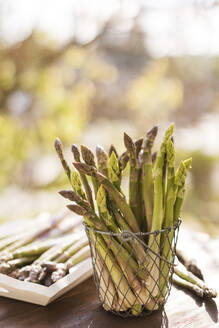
column 87, row 71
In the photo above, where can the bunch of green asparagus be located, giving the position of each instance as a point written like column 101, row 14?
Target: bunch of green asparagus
column 44, row 251
column 133, row 273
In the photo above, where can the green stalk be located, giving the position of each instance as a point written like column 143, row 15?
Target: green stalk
column 63, row 268
column 113, row 149
column 86, row 185
column 188, row 286
column 189, row 264
column 104, row 212
column 88, row 158
column 112, row 243
column 81, row 243
column 179, row 202
column 80, row 256
column 59, row 150
column 10, row 240
column 117, row 275
column 102, row 160
column 158, row 214
column 147, row 177
column 137, row 249
column 133, row 178
column 166, row 238
column 37, row 271
column 138, row 145
column 113, row 192
column 74, row 197
column 76, row 184
column 180, row 183
column 36, row 248
column 123, row 161
column 114, row 171
column 191, row 278
column 8, row 267
column 107, row 291
column 124, row 257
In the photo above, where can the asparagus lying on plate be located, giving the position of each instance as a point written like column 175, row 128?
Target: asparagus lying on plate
column 156, row 192
column 45, row 251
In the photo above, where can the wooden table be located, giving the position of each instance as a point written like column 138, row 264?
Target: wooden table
column 80, row 307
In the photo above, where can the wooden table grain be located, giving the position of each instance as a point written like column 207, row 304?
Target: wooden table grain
column 80, row 307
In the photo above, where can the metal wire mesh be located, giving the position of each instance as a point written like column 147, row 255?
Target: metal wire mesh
column 133, row 271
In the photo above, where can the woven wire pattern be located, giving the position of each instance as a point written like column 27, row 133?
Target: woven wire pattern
column 133, row 271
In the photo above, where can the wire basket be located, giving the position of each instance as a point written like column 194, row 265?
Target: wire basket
column 133, row 271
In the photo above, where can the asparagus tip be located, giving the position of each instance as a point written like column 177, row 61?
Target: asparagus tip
column 75, row 152
column 138, row 145
column 188, row 163
column 87, row 155
column 101, row 154
column 129, row 144
column 85, row 168
column 113, row 149
column 58, row 147
column 152, row 133
column 77, row 209
column 69, row 194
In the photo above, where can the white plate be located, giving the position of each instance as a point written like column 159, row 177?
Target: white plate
column 42, row 295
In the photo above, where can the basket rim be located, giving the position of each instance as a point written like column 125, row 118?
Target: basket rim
column 139, row 233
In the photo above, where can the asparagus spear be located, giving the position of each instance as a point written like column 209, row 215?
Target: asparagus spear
column 138, row 145
column 147, row 178
column 8, row 267
column 124, row 256
column 188, row 285
column 88, row 158
column 10, row 240
column 74, row 197
column 166, row 238
column 29, row 237
column 158, row 214
column 36, row 248
column 107, row 291
column 37, row 272
column 59, row 150
column 114, row 171
column 87, row 188
column 113, row 244
column 134, row 201
column 123, row 161
column 113, row 192
column 81, row 243
column 136, row 248
column 76, row 184
column 120, row 282
column 180, row 182
column 113, row 149
column 78, row 257
column 191, row 278
column 102, row 159
column 190, row 265
column 103, row 210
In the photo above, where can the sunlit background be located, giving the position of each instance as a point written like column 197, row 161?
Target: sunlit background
column 87, row 71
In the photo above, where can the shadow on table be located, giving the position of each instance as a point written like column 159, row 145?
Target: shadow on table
column 210, row 304
column 211, row 308
column 156, row 320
